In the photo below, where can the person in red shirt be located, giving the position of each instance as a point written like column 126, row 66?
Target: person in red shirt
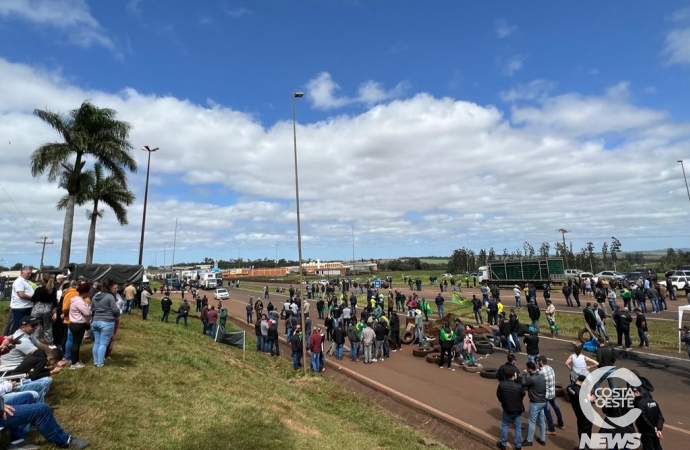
column 211, row 319
column 315, row 349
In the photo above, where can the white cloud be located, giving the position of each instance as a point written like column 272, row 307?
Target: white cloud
column 677, row 46
column 72, row 17
column 323, row 92
column 537, row 89
column 504, row 29
column 133, row 8
column 511, row 65
column 418, row 175
column 237, row 13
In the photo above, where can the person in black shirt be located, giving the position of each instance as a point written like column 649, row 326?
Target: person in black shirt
column 650, row 421
column 45, row 307
column 584, row 426
column 166, row 304
column 296, row 346
column 506, row 371
column 606, row 357
column 622, row 320
column 641, row 324
column 532, row 345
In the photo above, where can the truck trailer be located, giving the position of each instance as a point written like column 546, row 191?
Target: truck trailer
column 534, row 270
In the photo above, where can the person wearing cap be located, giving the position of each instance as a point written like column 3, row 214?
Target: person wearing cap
column 584, row 426
column 21, row 302
column 551, row 318
column 27, row 345
column 650, row 422
column 518, row 298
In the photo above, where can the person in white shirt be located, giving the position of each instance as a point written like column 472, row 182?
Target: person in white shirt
column 518, row 300
column 20, row 302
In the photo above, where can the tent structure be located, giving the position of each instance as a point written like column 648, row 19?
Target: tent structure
column 681, row 310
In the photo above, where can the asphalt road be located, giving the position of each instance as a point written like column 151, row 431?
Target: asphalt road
column 472, row 399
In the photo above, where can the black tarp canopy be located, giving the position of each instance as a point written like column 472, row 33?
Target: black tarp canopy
column 119, row 273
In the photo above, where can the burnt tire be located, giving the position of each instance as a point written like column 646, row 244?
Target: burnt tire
column 485, row 350
column 477, row 368
column 407, row 338
column 489, row 373
column 560, row 390
column 581, row 335
column 422, row 351
column 433, row 358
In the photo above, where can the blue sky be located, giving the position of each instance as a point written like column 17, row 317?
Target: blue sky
column 425, row 128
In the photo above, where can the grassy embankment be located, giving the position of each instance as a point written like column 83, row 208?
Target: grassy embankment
column 169, row 387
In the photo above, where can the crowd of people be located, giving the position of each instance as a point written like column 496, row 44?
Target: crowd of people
column 61, row 313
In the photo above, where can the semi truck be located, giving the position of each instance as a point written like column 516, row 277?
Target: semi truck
column 535, row 270
column 119, row 273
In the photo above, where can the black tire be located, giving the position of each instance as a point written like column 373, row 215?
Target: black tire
column 424, row 344
column 489, row 373
column 433, row 358
column 581, row 335
column 422, row 351
column 560, row 390
column 408, row 338
column 485, row 350
column 483, row 344
column 477, row 368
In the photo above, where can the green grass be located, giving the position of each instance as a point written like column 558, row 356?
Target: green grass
column 170, row 387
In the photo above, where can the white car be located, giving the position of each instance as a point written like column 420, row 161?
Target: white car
column 609, row 275
column 221, row 294
column 679, row 281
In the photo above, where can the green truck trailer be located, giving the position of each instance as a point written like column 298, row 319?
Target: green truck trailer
column 536, row 270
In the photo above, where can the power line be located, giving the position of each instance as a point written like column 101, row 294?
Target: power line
column 44, row 242
column 17, row 207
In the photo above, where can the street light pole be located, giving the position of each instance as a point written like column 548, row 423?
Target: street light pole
column 296, row 95
column 684, row 177
column 146, row 198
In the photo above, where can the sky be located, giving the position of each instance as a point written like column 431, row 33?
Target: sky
column 422, row 129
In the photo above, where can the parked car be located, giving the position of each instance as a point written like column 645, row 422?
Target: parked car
column 679, row 281
column 608, row 275
column 221, row 294
column 647, row 273
column 572, row 273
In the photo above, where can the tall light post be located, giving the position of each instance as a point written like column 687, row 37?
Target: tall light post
column 165, row 247
column 684, row 177
column 146, row 198
column 296, row 95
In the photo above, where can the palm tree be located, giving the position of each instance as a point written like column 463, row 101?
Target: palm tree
column 100, row 189
column 88, row 131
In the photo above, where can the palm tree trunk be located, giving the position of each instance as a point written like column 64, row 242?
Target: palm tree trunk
column 91, row 242
column 67, row 231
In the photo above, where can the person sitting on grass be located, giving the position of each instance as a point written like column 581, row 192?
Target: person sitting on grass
column 22, row 411
column 39, row 368
column 25, row 343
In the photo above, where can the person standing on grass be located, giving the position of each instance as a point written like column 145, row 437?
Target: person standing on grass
column 223, row 317
column 212, row 317
column 315, row 346
column 264, row 333
column 550, row 378
column 130, row 294
column 551, row 318
column 183, row 312
column 21, row 302
column 273, row 344
column 296, row 347
column 259, row 336
column 145, row 302
column 45, row 306
column 510, row 394
column 641, row 324
column 104, row 311
column 166, row 304
column 534, row 314
column 204, row 318
column 79, row 318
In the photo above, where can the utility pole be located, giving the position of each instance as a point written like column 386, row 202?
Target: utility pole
column 172, row 267
column 353, row 248
column 565, row 249
column 44, row 242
